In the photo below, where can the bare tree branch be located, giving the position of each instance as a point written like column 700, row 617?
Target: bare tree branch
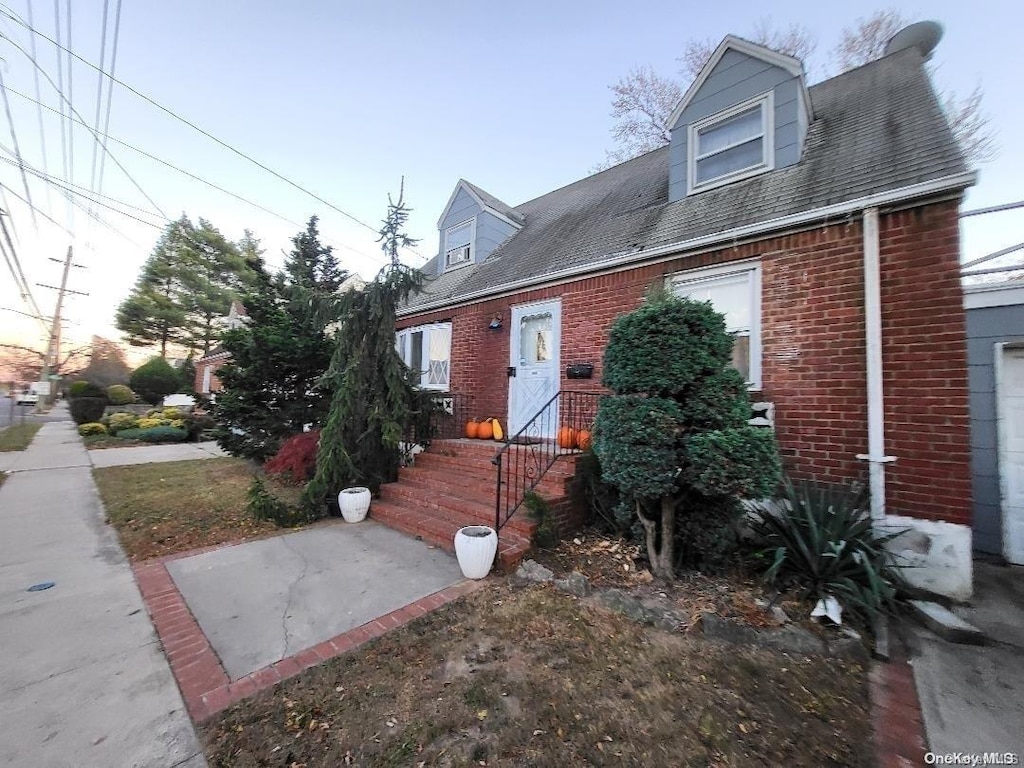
column 971, row 127
column 865, row 41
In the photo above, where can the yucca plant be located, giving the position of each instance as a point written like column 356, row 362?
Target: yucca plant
column 823, row 543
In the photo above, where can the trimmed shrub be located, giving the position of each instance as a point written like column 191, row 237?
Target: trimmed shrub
column 119, row 394
column 149, row 423
column 176, row 423
column 155, row 379
column 172, row 413
column 119, row 421
column 295, row 462
column 82, row 388
column 86, row 409
column 158, row 434
column 91, row 428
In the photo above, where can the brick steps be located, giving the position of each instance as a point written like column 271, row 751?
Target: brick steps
column 452, row 484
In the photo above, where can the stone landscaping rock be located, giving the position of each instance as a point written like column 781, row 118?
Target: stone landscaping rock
column 576, row 584
column 532, row 572
column 789, row 639
column 619, row 601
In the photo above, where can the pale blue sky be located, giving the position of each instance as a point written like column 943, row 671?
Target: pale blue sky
column 344, row 98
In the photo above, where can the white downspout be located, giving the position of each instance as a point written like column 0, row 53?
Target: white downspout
column 875, row 456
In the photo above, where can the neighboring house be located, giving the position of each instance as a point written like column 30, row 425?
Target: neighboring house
column 206, row 382
column 995, row 355
column 822, row 221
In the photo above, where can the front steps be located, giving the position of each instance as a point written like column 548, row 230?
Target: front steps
column 452, row 484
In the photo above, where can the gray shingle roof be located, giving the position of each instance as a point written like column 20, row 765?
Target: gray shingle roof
column 492, row 202
column 876, row 128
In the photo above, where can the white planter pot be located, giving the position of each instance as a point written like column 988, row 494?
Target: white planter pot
column 354, row 504
column 475, row 546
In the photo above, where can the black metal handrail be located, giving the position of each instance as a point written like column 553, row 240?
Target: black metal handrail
column 439, row 416
column 527, row 455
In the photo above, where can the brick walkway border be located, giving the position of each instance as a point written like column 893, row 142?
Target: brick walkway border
column 204, row 684
column 896, row 721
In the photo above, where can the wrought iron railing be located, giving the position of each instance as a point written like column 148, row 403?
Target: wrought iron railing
column 438, row 416
column 555, row 430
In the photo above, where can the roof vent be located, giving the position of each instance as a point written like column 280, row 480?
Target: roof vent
column 923, row 35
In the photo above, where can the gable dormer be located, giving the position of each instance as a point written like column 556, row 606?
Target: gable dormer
column 472, row 225
column 746, row 113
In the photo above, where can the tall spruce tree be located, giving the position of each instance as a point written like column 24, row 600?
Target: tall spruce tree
column 272, row 384
column 372, row 399
column 187, row 283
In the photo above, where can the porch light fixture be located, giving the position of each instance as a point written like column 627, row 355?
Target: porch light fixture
column 495, row 324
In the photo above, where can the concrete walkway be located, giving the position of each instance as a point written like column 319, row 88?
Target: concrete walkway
column 149, row 454
column 972, row 697
column 83, row 677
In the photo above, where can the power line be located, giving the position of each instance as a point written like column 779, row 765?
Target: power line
column 39, row 109
column 71, row 100
column 14, row 264
column 17, row 149
column 60, row 90
column 192, row 125
column 110, row 88
column 107, row 137
column 99, row 93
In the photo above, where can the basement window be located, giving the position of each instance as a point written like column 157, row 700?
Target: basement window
column 735, row 291
column 426, row 349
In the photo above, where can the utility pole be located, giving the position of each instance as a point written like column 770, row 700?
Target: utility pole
column 52, row 359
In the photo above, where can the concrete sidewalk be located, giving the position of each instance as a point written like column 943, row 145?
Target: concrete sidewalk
column 972, row 697
column 150, row 454
column 83, row 677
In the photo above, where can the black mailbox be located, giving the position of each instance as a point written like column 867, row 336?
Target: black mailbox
column 579, row 371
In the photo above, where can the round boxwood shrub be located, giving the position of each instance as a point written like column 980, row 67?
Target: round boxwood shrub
column 82, row 388
column 119, row 421
column 155, row 379
column 86, row 409
column 119, row 394
column 92, row 428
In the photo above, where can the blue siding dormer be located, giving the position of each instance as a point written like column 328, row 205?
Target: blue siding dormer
column 472, row 226
column 746, row 113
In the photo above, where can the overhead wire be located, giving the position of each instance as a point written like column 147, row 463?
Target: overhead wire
column 110, row 90
column 60, row 89
column 99, row 94
column 39, row 109
column 193, row 126
column 14, row 264
column 17, row 149
column 212, row 185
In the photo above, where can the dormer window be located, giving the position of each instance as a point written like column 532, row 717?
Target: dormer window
column 458, row 244
column 732, row 145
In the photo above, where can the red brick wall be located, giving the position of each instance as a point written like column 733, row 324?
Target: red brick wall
column 813, row 350
column 215, row 364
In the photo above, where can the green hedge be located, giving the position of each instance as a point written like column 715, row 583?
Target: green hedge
column 86, row 409
column 155, row 435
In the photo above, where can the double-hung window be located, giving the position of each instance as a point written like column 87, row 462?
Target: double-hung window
column 458, row 244
column 427, row 350
column 735, row 291
column 732, row 145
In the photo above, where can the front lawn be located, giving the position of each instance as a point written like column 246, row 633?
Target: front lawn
column 17, row 436
column 536, row 677
column 98, row 442
column 161, row 509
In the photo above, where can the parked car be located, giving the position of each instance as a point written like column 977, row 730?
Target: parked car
column 24, row 397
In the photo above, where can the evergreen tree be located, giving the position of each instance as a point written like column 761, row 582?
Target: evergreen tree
column 272, row 384
column 674, row 437
column 372, row 400
column 187, row 283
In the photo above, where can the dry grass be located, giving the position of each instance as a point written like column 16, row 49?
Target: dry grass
column 537, row 678
column 17, row 436
column 99, row 442
column 161, row 509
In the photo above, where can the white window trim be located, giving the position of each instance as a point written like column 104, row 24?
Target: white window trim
column 751, row 268
column 472, row 244
column 402, row 343
column 767, row 103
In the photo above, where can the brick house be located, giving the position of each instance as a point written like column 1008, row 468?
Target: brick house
column 822, row 221
column 206, row 382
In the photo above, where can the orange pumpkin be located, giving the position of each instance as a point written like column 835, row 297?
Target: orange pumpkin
column 484, row 430
column 566, row 437
column 472, row 428
column 583, row 439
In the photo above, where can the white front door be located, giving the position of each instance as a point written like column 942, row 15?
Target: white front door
column 1011, row 451
column 534, row 353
